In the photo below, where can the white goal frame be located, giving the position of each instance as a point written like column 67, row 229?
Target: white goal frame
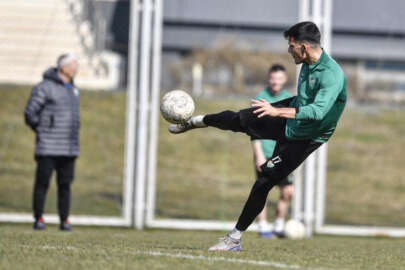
column 126, row 219
column 309, row 200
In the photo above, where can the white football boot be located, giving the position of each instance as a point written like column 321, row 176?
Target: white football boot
column 194, row 122
column 227, row 243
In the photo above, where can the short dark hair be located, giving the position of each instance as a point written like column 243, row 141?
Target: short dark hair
column 277, row 67
column 304, row 32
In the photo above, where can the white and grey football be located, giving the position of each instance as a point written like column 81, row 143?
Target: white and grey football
column 294, row 229
column 177, row 106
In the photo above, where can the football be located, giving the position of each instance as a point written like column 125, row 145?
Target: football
column 294, row 229
column 177, row 106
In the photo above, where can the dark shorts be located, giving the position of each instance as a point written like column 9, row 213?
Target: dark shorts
column 288, row 154
column 286, row 181
column 266, row 127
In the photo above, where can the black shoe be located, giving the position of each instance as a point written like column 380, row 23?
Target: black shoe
column 39, row 224
column 65, row 226
column 279, row 234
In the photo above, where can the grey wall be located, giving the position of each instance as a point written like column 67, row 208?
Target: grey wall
column 352, row 15
column 362, row 29
column 239, row 12
column 369, row 15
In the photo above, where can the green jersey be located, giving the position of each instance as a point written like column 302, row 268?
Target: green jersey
column 268, row 145
column 320, row 101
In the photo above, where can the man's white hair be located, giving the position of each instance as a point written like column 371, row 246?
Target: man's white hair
column 65, row 59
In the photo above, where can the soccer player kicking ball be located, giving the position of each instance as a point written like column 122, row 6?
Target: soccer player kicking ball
column 299, row 124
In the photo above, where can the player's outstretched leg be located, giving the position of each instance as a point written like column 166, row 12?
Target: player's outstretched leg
column 226, row 120
column 194, row 122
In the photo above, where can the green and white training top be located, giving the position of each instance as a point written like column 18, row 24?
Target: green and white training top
column 320, row 101
column 269, row 145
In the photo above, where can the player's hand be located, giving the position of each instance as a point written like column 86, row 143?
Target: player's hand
column 259, row 162
column 263, row 108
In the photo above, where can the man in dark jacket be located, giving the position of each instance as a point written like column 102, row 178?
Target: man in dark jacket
column 53, row 114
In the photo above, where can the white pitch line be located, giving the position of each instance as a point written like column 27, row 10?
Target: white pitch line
column 240, row 261
column 200, row 257
column 58, row 247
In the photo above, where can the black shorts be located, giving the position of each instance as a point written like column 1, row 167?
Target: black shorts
column 286, row 181
column 288, row 154
column 266, row 127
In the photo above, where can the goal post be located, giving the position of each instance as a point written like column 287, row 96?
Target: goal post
column 125, row 219
column 314, row 173
column 304, row 202
column 309, row 198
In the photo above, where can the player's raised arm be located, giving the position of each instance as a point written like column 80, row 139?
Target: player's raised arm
column 264, row 108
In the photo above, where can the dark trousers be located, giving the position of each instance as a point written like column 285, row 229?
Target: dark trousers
column 287, row 156
column 64, row 167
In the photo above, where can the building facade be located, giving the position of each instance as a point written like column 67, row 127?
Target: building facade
column 368, row 35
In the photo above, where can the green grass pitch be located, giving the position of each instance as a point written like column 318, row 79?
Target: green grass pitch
column 113, row 248
column 365, row 185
